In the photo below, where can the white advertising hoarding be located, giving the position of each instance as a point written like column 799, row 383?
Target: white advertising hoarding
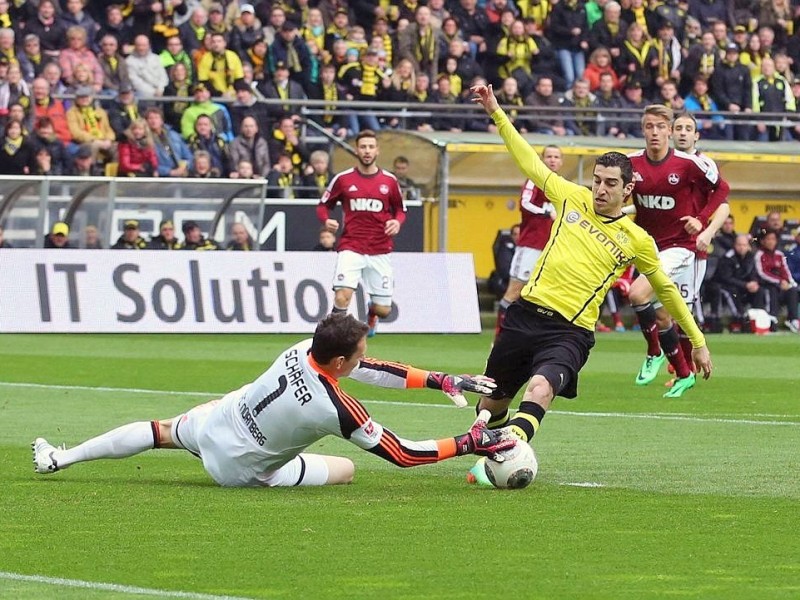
column 126, row 291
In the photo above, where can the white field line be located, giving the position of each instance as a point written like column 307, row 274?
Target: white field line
column 113, row 587
column 596, row 415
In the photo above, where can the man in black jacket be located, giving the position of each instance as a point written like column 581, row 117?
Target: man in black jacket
column 130, row 238
column 732, row 89
column 735, row 284
column 123, row 111
column 165, row 240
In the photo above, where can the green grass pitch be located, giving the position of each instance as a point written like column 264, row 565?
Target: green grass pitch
column 637, row 496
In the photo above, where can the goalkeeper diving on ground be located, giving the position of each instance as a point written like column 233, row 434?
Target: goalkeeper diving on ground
column 257, row 435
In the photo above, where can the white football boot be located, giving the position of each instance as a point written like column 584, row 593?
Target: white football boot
column 43, row 461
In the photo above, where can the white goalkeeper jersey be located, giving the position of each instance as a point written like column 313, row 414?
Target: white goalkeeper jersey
column 294, row 403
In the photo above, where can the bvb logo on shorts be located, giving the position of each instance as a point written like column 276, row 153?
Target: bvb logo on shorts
column 573, row 216
column 340, row 276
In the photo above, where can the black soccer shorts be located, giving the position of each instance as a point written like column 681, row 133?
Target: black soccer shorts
column 534, row 340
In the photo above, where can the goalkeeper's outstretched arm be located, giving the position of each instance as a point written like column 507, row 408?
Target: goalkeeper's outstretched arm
column 398, row 375
column 406, row 453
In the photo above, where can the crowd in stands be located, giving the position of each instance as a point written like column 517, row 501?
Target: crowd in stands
column 759, row 269
column 81, row 82
column 239, row 238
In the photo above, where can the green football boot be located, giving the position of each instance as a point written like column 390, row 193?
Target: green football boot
column 650, row 368
column 680, row 386
column 477, row 474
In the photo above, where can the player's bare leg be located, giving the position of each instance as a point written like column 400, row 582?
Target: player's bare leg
column 340, row 470
column 341, row 299
column 640, row 294
column 309, row 470
column 122, row 442
column 513, row 292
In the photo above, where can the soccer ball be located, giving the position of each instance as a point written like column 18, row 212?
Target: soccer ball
column 517, row 471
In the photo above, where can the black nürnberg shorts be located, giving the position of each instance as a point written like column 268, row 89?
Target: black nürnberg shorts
column 536, row 340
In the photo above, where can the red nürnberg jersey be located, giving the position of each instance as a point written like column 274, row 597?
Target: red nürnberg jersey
column 368, row 201
column 668, row 190
column 700, row 199
column 534, row 230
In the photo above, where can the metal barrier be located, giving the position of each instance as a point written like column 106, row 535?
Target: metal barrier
column 29, row 206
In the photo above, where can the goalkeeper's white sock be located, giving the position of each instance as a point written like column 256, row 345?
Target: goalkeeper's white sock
column 121, row 442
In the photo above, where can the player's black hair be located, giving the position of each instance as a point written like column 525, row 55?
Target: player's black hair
column 337, row 334
column 617, row 159
column 686, row 115
column 365, row 133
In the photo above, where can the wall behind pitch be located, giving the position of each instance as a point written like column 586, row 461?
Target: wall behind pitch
column 121, row 291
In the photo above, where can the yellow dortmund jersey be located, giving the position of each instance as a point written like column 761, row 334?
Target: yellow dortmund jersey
column 586, row 252
column 220, row 71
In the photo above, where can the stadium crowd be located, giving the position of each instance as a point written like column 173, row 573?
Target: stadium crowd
column 81, row 83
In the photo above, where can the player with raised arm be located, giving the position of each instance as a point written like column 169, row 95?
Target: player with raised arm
column 537, row 219
column 548, row 333
column 373, row 211
column 256, row 435
column 672, row 188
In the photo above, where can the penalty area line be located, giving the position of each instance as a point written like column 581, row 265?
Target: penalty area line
column 113, row 587
column 595, row 415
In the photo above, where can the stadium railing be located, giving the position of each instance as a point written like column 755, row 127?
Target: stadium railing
column 30, row 205
column 405, row 112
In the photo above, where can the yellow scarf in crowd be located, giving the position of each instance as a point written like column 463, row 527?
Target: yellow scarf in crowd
column 256, row 61
column 387, row 47
column 285, row 181
column 664, row 59
column 12, row 146
column 426, row 45
column 704, row 101
column 707, row 64
column 90, row 120
column 640, row 54
column 641, row 19
column 331, row 94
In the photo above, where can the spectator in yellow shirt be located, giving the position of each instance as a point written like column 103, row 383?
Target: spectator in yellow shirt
column 220, row 68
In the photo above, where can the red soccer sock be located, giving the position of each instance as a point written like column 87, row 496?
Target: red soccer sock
column 672, row 348
column 647, row 321
column 686, row 348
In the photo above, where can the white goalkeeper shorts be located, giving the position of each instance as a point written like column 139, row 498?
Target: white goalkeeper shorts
column 374, row 271
column 206, row 432
column 680, row 266
column 523, row 263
